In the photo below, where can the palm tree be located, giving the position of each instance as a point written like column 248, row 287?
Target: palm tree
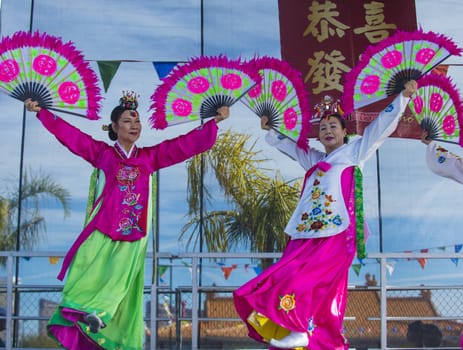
column 36, row 188
column 257, row 206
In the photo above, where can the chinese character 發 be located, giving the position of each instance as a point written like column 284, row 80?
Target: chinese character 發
column 326, row 71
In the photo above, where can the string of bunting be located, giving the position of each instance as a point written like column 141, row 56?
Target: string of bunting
column 390, row 265
column 109, row 68
column 257, row 268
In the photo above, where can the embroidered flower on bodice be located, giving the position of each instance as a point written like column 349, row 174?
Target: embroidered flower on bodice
column 131, row 209
column 320, row 216
column 127, row 174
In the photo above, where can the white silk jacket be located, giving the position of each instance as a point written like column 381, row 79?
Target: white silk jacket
column 444, row 163
column 321, row 210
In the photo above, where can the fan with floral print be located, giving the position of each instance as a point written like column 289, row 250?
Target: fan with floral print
column 41, row 67
column 383, row 69
column 195, row 90
column 438, row 108
column 281, row 97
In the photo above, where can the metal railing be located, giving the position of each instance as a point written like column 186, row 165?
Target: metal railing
column 194, row 316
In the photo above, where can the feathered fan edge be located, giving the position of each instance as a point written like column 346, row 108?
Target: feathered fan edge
column 22, row 39
column 295, row 76
column 370, row 51
column 157, row 119
column 446, row 84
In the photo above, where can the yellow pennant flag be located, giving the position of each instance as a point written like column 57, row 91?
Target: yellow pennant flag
column 53, row 260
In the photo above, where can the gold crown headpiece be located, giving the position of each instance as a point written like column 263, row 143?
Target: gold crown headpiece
column 129, row 100
column 326, row 107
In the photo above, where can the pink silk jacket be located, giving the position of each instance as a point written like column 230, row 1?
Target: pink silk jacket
column 124, row 200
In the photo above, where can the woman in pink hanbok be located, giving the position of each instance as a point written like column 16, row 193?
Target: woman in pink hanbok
column 102, row 302
column 299, row 302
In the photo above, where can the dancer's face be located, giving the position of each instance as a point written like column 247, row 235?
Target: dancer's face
column 128, row 128
column 331, row 133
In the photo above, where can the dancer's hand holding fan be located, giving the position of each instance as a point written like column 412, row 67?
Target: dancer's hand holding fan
column 281, row 97
column 384, row 68
column 438, row 108
column 41, row 67
column 197, row 89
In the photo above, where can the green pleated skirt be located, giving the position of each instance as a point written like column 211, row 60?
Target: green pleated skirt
column 106, row 277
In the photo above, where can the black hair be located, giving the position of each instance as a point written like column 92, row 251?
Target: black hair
column 115, row 116
column 341, row 120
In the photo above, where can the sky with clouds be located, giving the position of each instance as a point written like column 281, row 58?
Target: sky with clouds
column 418, row 209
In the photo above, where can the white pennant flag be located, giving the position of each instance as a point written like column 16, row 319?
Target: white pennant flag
column 390, row 267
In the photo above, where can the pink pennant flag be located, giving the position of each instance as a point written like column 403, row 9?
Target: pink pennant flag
column 423, row 261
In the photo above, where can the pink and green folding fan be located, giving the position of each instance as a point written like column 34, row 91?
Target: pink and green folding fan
column 281, row 96
column 438, row 108
column 196, row 89
column 383, row 69
column 41, row 67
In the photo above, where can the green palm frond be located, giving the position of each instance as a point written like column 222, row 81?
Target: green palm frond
column 233, row 164
column 259, row 206
column 37, row 188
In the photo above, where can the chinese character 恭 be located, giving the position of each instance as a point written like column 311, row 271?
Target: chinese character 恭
column 324, row 16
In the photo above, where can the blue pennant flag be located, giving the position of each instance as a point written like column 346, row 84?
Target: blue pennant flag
column 164, row 68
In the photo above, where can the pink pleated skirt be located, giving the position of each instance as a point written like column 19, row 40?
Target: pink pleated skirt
column 305, row 291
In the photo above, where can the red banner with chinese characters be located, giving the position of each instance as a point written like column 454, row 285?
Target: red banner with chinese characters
column 324, row 40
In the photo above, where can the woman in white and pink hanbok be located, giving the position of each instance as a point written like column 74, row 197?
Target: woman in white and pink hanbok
column 300, row 301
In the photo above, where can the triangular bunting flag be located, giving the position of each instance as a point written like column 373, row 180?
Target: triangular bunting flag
column 441, row 69
column 390, row 266
column 162, row 269
column 53, row 260
column 227, row 270
column 357, row 268
column 257, row 270
column 108, row 70
column 457, row 249
column 423, row 261
column 164, row 68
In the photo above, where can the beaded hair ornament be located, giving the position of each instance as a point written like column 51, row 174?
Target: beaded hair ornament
column 326, row 107
column 129, row 101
